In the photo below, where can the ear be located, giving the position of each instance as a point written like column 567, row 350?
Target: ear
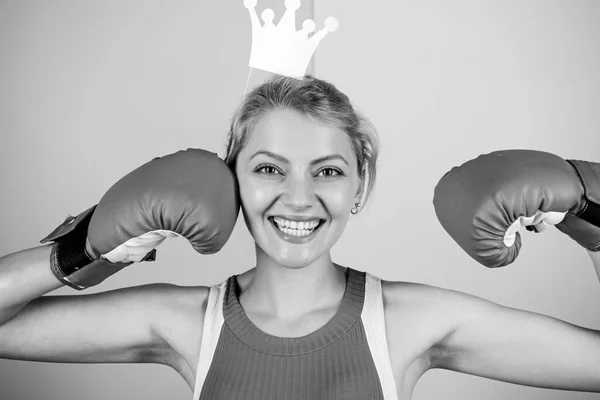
column 361, row 187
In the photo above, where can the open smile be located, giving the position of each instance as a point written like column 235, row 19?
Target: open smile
column 297, row 232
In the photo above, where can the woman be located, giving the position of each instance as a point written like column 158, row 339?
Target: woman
column 297, row 325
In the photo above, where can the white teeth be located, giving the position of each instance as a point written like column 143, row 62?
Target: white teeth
column 296, row 232
column 296, row 228
column 299, row 225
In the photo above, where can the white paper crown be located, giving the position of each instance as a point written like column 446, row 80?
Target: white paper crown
column 281, row 49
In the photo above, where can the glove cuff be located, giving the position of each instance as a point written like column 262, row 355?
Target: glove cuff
column 69, row 250
column 73, row 260
column 589, row 174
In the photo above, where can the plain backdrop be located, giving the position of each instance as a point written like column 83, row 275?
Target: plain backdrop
column 90, row 90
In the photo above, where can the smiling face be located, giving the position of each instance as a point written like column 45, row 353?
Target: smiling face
column 298, row 182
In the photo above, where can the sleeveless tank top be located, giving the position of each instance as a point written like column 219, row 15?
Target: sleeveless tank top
column 346, row 359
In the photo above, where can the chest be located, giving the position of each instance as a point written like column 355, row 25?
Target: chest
column 340, row 370
column 410, row 333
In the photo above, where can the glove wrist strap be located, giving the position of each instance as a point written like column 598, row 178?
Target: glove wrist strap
column 589, row 174
column 71, row 250
column 57, row 268
column 591, row 214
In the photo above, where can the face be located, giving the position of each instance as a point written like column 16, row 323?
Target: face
column 298, row 182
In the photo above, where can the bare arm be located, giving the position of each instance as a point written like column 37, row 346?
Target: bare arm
column 516, row 346
column 24, row 276
column 115, row 326
column 595, row 256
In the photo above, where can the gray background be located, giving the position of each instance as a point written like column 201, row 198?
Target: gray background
column 91, row 90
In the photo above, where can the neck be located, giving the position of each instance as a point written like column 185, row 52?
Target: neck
column 287, row 293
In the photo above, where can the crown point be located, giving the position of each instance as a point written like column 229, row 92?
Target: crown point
column 267, row 15
column 331, row 24
column 308, row 26
column 249, row 4
column 292, row 4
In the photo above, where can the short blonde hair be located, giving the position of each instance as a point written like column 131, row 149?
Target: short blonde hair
column 313, row 97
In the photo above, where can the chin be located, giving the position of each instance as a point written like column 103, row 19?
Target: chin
column 291, row 262
column 293, row 266
column 295, row 260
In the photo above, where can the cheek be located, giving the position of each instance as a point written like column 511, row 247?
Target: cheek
column 337, row 200
column 255, row 198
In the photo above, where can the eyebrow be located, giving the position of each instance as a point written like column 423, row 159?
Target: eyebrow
column 286, row 161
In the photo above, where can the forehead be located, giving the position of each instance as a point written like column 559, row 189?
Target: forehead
column 289, row 132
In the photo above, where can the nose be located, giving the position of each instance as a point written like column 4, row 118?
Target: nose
column 299, row 193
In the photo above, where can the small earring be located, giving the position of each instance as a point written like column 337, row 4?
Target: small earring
column 355, row 209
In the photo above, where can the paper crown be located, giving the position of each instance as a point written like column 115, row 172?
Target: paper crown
column 281, row 49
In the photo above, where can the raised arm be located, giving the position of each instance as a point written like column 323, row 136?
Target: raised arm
column 482, row 204
column 190, row 193
column 516, row 346
column 115, row 326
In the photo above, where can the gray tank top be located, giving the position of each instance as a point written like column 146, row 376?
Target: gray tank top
column 346, row 359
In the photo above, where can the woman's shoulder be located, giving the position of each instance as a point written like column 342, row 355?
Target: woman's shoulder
column 178, row 319
column 174, row 297
column 423, row 294
column 176, row 310
column 402, row 299
column 436, row 308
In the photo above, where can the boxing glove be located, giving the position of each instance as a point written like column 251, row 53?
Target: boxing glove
column 190, row 193
column 483, row 203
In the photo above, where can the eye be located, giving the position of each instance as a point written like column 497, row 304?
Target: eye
column 267, row 169
column 330, row 172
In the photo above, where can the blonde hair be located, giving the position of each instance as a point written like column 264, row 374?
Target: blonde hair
column 313, row 97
